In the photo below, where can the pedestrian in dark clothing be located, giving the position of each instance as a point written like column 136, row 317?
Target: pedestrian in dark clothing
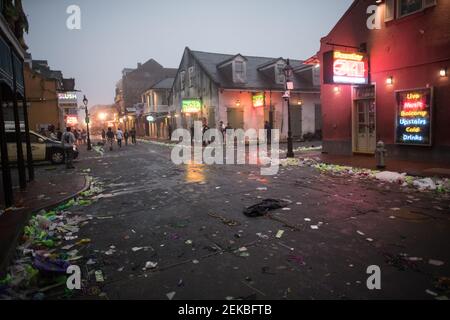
column 68, row 141
column 103, row 136
column 133, row 136
column 59, row 134
column 205, row 129
column 268, row 127
column 126, row 135
column 110, row 136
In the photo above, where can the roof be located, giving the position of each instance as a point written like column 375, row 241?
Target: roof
column 256, row 80
column 164, row 84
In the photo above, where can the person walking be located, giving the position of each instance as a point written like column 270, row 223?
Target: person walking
column 110, row 136
column 126, row 135
column 58, row 134
column 79, row 137
column 75, row 134
column 68, row 140
column 103, row 136
column 119, row 137
column 222, row 129
column 205, row 129
column 268, row 129
column 84, row 136
column 133, row 136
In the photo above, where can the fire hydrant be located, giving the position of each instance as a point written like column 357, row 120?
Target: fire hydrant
column 380, row 155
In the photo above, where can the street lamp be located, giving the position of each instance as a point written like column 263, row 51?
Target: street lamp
column 85, row 102
column 288, row 72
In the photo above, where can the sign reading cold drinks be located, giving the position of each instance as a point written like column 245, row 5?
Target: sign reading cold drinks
column 414, row 117
column 346, row 67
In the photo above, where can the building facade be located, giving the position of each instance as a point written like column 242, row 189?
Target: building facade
column 244, row 92
column 42, row 97
column 67, row 98
column 130, row 88
column 388, row 83
column 156, row 100
column 13, row 100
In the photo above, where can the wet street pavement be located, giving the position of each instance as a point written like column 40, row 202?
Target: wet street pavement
column 164, row 231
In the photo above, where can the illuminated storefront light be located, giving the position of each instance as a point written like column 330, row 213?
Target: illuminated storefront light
column 414, row 117
column 258, row 100
column 191, row 105
column 346, row 68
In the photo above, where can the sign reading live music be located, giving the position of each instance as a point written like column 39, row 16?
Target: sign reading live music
column 345, row 67
column 414, row 117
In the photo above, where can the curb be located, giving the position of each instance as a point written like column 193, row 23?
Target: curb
column 11, row 251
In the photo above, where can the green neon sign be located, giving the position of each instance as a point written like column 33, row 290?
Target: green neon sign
column 191, row 105
column 258, row 100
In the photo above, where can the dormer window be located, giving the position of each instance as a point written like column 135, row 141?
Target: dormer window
column 240, row 74
column 279, row 73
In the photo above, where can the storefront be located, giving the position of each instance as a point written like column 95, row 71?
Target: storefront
column 68, row 106
column 389, row 84
column 191, row 110
column 13, row 108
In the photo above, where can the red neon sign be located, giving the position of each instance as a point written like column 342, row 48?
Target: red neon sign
column 346, row 68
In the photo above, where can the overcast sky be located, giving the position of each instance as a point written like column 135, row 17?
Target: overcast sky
column 116, row 34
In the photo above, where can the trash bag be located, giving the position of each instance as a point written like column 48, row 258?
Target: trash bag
column 262, row 208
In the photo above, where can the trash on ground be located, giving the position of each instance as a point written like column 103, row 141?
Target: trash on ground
column 262, row 208
column 389, row 176
column 279, row 234
column 171, row 295
column 425, row 184
column 151, row 265
column 437, row 263
column 99, row 276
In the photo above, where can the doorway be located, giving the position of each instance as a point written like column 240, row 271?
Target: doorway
column 364, row 119
column 296, row 121
column 235, row 117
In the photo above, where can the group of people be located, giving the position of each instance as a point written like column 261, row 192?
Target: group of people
column 110, row 136
column 223, row 129
column 56, row 134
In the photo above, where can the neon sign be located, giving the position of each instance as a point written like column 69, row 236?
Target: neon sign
column 67, row 96
column 191, row 105
column 414, row 117
column 346, row 68
column 258, row 100
column 72, row 120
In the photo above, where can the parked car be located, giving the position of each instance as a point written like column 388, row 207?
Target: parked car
column 42, row 148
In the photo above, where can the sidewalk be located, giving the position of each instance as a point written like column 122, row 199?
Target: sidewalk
column 413, row 168
column 53, row 185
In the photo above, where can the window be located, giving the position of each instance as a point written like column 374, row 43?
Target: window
column 239, row 71
column 191, row 76
column 182, row 76
column 279, row 73
column 408, row 7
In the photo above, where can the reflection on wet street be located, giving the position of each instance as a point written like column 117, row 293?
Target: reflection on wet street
column 195, row 173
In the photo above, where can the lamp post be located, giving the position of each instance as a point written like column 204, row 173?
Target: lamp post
column 85, row 102
column 288, row 71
